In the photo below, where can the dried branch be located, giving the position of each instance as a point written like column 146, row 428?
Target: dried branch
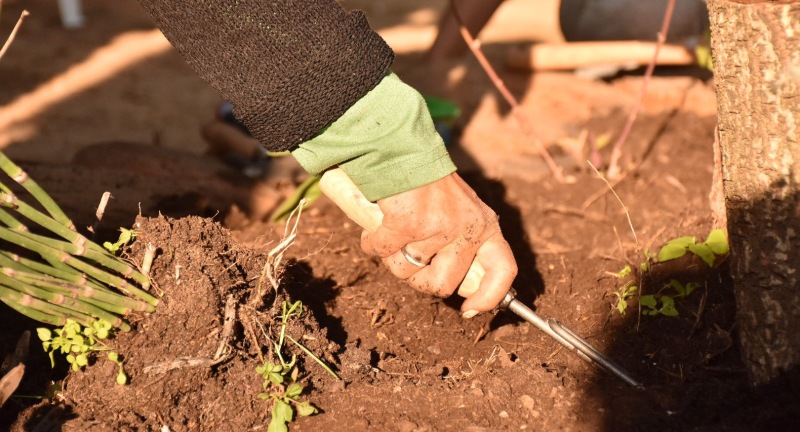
column 13, row 33
column 616, row 153
column 475, row 46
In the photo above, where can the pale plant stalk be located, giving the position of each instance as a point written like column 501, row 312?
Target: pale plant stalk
column 624, row 207
column 13, row 33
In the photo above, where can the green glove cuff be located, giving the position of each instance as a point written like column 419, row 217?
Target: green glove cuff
column 386, row 143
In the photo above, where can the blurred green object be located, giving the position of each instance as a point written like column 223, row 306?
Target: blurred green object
column 444, row 114
column 308, row 190
column 442, row 109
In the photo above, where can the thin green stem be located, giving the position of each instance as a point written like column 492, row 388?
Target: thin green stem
column 107, row 300
column 20, row 176
column 35, row 314
column 68, row 302
column 9, row 200
column 317, row 359
column 28, row 304
column 103, row 258
column 62, row 271
column 51, row 254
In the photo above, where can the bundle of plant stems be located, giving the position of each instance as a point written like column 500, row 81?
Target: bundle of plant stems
column 75, row 278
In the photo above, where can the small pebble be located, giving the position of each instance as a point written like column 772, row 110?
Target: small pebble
column 503, row 415
column 527, row 402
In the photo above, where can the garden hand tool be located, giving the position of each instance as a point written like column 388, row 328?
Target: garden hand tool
column 339, row 188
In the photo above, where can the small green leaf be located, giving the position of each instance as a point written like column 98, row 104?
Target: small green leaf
column 678, row 287
column 621, row 306
column 263, row 396
column 294, row 390
column 670, row 252
column 113, row 356
column 281, row 414
column 306, row 409
column 82, row 360
column 668, row 306
column 683, row 241
column 308, row 190
column 624, row 272
column 70, row 359
column 44, row 334
column 277, row 425
column 286, row 410
column 645, row 266
column 122, row 379
column 276, row 378
column 704, row 252
column 648, row 301
column 717, row 242
column 691, row 286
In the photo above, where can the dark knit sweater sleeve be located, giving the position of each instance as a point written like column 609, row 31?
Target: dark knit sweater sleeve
column 289, row 67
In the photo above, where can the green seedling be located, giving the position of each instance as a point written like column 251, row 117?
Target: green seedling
column 125, row 237
column 715, row 246
column 280, row 379
column 284, row 397
column 78, row 343
column 650, row 303
column 308, row 190
column 626, row 291
column 623, row 294
column 663, row 304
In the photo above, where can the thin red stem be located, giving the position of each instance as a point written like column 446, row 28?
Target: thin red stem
column 475, row 46
column 616, row 153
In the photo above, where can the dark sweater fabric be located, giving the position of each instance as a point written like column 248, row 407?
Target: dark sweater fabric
column 290, row 67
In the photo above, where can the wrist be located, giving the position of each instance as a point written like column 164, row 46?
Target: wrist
column 386, row 143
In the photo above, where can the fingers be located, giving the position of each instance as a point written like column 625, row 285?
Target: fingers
column 497, row 260
column 446, row 270
column 447, row 224
column 422, row 251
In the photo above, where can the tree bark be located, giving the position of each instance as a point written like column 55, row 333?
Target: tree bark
column 756, row 52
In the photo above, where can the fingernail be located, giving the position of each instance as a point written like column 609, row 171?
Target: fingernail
column 469, row 314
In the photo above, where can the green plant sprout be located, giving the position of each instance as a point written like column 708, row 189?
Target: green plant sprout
column 280, row 379
column 78, row 343
column 623, row 294
column 309, row 190
column 125, row 237
column 660, row 303
column 715, row 245
column 651, row 302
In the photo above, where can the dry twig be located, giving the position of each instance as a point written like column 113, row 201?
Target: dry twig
column 624, row 207
column 616, row 153
column 475, row 46
column 13, row 33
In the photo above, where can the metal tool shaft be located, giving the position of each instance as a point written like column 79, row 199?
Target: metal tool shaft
column 567, row 338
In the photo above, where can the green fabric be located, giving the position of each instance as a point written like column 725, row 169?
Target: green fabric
column 386, row 143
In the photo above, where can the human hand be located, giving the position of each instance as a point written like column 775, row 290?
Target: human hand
column 446, row 225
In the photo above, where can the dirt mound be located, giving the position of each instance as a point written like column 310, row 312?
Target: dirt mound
column 191, row 364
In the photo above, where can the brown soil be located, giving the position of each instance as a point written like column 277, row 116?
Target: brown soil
column 408, row 361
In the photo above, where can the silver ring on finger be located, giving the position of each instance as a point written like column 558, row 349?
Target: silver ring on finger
column 412, row 259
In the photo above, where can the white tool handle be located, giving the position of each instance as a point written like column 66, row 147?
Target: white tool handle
column 341, row 190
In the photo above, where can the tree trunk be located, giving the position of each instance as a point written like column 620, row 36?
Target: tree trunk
column 756, row 51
